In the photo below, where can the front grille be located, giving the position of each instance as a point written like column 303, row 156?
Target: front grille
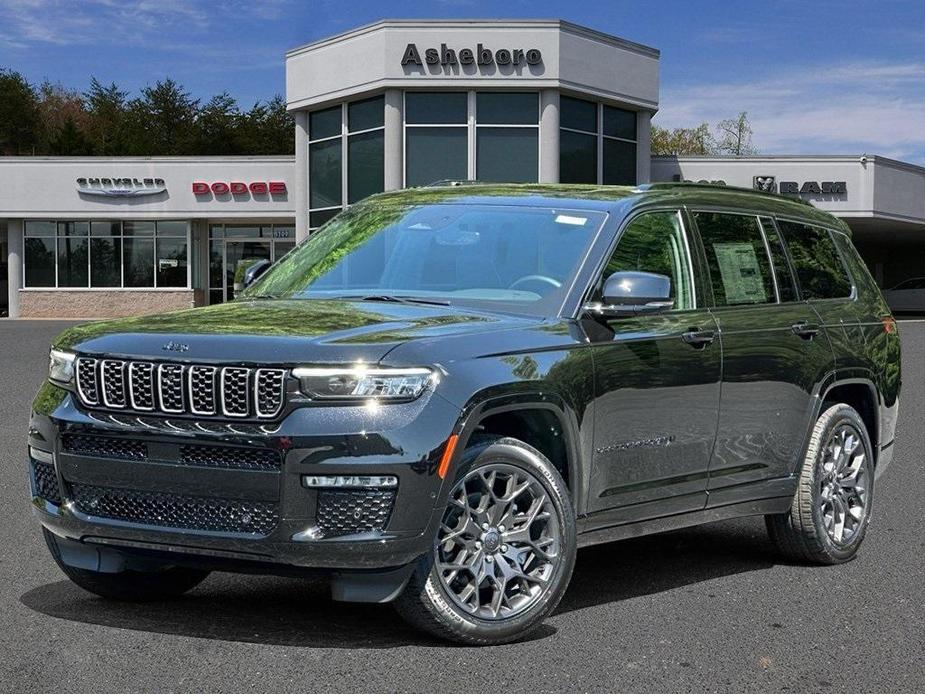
column 177, row 389
column 176, row 511
column 234, row 458
column 104, row 447
column 343, row 512
column 45, row 482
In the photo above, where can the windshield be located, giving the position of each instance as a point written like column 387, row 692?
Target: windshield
column 520, row 257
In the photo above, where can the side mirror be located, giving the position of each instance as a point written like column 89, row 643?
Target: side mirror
column 255, row 271
column 633, row 293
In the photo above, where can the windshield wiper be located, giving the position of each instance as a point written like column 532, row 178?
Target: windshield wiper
column 399, row 299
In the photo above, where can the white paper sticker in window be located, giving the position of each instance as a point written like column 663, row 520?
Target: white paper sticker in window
column 574, row 221
column 740, row 272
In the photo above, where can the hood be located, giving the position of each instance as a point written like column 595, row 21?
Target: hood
column 280, row 331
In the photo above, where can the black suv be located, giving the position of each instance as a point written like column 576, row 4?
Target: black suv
column 444, row 393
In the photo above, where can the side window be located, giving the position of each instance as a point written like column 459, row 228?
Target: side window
column 740, row 271
column 655, row 242
column 786, row 288
column 818, row 265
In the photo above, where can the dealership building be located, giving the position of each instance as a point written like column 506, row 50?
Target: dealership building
column 390, row 105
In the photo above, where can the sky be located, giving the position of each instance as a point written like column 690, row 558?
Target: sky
column 816, row 77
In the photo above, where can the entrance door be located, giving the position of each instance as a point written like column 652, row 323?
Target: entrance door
column 233, row 248
column 656, row 386
column 239, row 255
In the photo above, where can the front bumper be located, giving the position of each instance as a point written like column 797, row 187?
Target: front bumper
column 403, row 440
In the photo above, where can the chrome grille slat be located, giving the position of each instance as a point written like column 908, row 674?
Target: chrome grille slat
column 179, row 389
column 112, row 373
column 87, row 383
column 141, row 385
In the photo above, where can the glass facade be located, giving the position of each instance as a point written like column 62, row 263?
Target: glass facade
column 234, row 247
column 346, row 156
column 597, row 143
column 106, row 254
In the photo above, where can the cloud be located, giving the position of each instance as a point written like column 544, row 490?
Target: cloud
column 872, row 107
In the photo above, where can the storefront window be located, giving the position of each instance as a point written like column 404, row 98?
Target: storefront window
column 588, row 128
column 106, row 254
column 346, row 146
column 507, row 137
column 234, row 247
column 436, row 137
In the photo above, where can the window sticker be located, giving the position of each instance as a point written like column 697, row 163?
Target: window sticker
column 574, row 221
column 741, row 273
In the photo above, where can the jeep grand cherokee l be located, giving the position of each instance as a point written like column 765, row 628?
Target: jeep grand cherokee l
column 445, row 392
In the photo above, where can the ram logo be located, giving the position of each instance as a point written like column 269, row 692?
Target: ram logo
column 766, row 184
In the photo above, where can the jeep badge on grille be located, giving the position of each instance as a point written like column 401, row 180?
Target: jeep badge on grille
column 175, row 347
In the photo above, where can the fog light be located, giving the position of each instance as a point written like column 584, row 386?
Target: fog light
column 349, row 481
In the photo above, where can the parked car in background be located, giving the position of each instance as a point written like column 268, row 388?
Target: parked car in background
column 445, row 392
column 908, row 296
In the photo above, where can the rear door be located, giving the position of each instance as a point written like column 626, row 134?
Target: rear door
column 773, row 352
column 656, row 383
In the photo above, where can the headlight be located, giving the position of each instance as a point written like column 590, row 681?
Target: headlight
column 61, row 367
column 362, row 383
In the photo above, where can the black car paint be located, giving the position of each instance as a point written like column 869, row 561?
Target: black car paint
column 656, row 432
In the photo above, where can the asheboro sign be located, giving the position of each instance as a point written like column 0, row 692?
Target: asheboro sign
column 480, row 55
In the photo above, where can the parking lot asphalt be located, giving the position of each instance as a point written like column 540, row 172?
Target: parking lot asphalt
column 708, row 609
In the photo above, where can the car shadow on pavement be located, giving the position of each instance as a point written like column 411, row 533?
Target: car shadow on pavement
column 298, row 612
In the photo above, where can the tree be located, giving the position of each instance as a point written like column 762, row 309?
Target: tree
column 106, row 119
column 735, row 136
column 163, row 120
column 70, row 141
column 681, row 141
column 19, row 116
column 218, row 125
column 60, row 108
column 269, row 128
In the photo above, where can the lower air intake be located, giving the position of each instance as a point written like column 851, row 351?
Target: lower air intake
column 176, row 511
column 345, row 512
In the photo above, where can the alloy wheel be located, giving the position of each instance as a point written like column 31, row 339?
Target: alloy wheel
column 499, row 542
column 844, row 488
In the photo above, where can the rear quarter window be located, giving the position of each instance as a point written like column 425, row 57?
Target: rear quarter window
column 819, row 266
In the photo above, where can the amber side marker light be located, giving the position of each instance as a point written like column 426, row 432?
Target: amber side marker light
column 889, row 325
column 447, row 456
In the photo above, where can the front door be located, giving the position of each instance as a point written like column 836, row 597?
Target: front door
column 773, row 355
column 234, row 247
column 656, row 385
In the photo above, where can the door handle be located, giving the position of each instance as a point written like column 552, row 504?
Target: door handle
column 805, row 329
column 699, row 338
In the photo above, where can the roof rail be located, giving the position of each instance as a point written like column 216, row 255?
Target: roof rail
column 661, row 185
column 444, row 182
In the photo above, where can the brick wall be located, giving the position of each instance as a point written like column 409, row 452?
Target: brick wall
column 58, row 303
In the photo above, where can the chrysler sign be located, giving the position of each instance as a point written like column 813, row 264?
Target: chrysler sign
column 118, row 187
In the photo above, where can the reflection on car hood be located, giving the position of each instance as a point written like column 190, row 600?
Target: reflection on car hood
column 280, row 331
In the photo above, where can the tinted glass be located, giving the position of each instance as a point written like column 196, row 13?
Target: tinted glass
column 324, row 173
column 317, row 219
column 508, row 155
column 105, row 229
column 105, row 262
column 469, row 254
column 619, row 163
column 655, row 242
column 740, row 271
column 365, row 165
column 243, row 231
column 73, row 265
column 171, row 229
column 512, row 108
column 577, row 158
column 216, row 262
column 39, row 228
column 786, row 288
column 138, row 228
column 818, row 265
column 324, row 123
column 619, row 123
column 40, row 262
column 436, row 107
column 73, row 228
column 434, row 154
column 171, row 262
column 366, row 114
column 577, row 114
column 138, row 260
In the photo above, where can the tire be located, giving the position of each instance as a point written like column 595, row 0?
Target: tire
column 809, row 531
column 466, row 606
column 130, row 586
